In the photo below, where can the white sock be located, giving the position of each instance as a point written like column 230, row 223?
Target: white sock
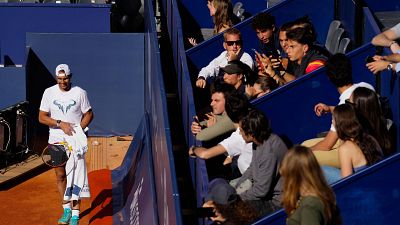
column 66, row 205
column 75, row 212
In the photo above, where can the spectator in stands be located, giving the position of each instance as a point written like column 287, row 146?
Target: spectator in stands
column 237, row 74
column 388, row 39
column 261, row 87
column 261, row 184
column 217, row 122
column 307, row 198
column 233, row 50
column 236, row 106
column 390, row 62
column 301, row 52
column 368, row 107
column 64, row 106
column 339, row 71
column 359, row 149
column 222, row 13
column 264, row 26
column 234, row 212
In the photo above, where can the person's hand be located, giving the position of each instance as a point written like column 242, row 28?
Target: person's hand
column 218, row 217
column 191, row 152
column 378, row 57
column 250, row 90
column 275, row 62
column 68, row 128
column 234, row 55
column 201, row 83
column 211, row 119
column 192, row 41
column 266, row 64
column 228, row 160
column 321, row 109
column 377, row 66
column 196, row 128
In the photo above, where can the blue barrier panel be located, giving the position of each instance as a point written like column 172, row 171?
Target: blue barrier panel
column 133, row 191
column 46, row 18
column 107, row 66
column 387, row 5
column 370, row 27
column 291, row 107
column 320, row 12
column 168, row 202
column 369, row 197
column 13, row 86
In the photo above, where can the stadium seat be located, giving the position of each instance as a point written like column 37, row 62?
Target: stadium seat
column 343, row 44
column 335, row 24
column 334, row 44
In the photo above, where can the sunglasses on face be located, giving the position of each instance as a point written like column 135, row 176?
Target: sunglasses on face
column 230, row 43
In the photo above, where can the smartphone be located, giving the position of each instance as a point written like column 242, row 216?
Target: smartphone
column 196, row 119
column 369, row 59
column 205, row 212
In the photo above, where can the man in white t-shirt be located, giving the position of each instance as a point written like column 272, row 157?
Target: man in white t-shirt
column 62, row 106
column 233, row 51
column 339, row 71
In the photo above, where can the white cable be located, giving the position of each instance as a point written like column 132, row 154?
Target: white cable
column 9, row 134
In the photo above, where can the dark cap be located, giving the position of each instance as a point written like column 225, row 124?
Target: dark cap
column 237, row 67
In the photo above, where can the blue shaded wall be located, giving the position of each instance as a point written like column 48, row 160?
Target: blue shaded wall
column 133, row 191
column 18, row 19
column 12, row 86
column 108, row 66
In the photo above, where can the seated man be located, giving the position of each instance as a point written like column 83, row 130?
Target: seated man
column 236, row 106
column 264, row 25
column 261, row 87
column 217, row 122
column 261, row 184
column 390, row 62
column 237, row 74
column 339, row 71
column 233, row 50
column 303, row 56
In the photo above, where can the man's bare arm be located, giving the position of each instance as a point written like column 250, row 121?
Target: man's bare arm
column 327, row 143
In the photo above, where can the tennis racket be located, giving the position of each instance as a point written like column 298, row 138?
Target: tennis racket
column 56, row 155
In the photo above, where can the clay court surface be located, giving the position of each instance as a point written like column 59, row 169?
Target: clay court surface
column 36, row 201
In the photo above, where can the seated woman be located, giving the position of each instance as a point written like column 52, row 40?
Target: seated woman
column 367, row 104
column 222, row 13
column 358, row 150
column 307, row 198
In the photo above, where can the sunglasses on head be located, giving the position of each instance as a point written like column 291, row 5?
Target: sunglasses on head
column 230, row 43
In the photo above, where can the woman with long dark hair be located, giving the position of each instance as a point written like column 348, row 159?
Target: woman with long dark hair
column 370, row 113
column 358, row 150
column 307, row 197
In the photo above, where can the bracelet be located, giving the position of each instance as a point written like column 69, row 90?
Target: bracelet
column 273, row 75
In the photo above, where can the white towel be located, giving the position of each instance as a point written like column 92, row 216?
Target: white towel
column 76, row 171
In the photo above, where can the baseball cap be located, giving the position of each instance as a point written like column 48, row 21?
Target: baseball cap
column 63, row 67
column 236, row 66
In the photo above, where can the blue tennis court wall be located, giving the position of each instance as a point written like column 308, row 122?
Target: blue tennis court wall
column 20, row 18
column 12, row 89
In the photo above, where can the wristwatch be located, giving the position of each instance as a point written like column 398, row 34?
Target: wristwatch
column 58, row 123
column 390, row 67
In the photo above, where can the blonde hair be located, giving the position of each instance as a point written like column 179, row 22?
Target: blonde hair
column 222, row 17
column 301, row 169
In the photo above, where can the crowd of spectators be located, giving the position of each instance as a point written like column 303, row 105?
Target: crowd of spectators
column 270, row 176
